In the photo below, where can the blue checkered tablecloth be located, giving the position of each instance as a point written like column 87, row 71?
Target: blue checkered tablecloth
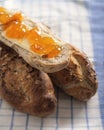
column 81, row 23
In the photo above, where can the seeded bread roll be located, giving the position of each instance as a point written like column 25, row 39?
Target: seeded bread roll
column 78, row 79
column 25, row 88
column 22, row 46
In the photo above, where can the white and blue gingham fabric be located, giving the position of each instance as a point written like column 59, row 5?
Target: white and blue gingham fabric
column 81, row 23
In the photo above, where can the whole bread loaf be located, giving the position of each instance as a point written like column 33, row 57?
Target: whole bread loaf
column 78, row 79
column 25, row 88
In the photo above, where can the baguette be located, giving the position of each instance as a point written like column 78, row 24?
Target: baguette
column 78, row 79
column 23, row 87
column 48, row 61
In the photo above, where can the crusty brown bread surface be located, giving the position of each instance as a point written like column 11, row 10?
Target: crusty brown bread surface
column 78, row 79
column 25, row 88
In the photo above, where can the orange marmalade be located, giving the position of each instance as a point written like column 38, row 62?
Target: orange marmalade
column 16, row 29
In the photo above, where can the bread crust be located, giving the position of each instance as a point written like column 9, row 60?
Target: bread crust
column 25, row 88
column 78, row 79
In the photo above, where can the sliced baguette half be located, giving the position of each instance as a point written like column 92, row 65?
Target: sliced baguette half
column 36, row 60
